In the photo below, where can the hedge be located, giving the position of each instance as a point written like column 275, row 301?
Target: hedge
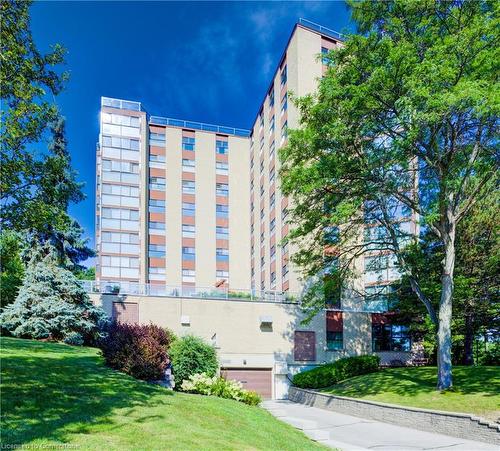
column 332, row 373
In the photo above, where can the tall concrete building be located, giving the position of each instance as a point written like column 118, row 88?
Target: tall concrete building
column 183, row 204
column 194, row 211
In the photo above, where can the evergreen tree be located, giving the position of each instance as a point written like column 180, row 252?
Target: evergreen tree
column 52, row 304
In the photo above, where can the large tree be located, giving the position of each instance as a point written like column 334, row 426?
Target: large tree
column 37, row 182
column 404, row 123
column 52, row 304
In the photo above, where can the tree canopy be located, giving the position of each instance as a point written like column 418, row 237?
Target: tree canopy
column 403, row 129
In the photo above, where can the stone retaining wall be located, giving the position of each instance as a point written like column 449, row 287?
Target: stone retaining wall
column 449, row 423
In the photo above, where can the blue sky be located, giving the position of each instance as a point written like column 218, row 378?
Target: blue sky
column 203, row 61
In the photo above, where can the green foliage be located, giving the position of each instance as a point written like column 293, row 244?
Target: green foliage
column 36, row 186
column 12, row 268
column 332, row 373
column 218, row 386
column 191, row 355
column 492, row 355
column 138, row 350
column 412, row 98
column 52, row 304
column 85, row 273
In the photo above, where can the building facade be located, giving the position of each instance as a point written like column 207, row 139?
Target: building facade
column 188, row 211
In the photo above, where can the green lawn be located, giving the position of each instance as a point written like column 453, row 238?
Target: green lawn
column 55, row 393
column 476, row 389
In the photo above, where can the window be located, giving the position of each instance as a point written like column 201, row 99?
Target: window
column 156, row 158
column 119, row 119
column 221, row 168
column 273, row 278
column 390, row 337
column 284, row 132
column 271, row 176
column 284, row 271
column 120, row 171
column 120, row 143
column 271, row 151
column 222, row 189
column 261, row 166
column 156, row 206
column 222, row 274
column 272, row 201
column 261, row 190
column 331, row 235
column 271, row 126
column 262, row 260
column 188, row 187
column 222, row 254
column 271, row 97
column 188, row 143
column 188, row 209
column 120, row 190
column 283, row 76
column 380, row 262
column 272, row 225
column 273, row 253
column 156, row 225
column 324, row 55
column 222, row 211
column 188, row 231
column 222, row 233
column 380, row 298
column 188, row 253
column 156, row 250
column 262, row 214
column 221, row 147
column 123, row 262
column 188, row 275
column 120, row 213
column 156, row 270
column 261, row 120
column 261, row 144
column 119, row 237
column 284, row 213
column 334, row 341
column 284, row 104
column 188, row 165
column 262, row 237
column 157, row 183
column 157, row 139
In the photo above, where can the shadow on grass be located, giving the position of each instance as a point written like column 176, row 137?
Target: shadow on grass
column 413, row 381
column 50, row 390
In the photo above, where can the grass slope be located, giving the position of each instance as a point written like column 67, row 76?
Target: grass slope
column 54, row 393
column 476, row 389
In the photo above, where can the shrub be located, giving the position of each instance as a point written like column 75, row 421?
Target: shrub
column 332, row 373
column 218, row 386
column 138, row 350
column 491, row 356
column 191, row 355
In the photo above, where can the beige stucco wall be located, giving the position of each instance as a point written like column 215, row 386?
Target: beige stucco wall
column 173, row 209
column 239, row 212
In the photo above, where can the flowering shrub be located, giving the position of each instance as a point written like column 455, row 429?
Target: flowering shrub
column 218, row 386
column 138, row 350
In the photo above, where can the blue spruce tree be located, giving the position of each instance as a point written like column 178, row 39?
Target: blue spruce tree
column 52, row 304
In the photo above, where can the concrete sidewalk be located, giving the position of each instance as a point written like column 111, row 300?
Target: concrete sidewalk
column 350, row 433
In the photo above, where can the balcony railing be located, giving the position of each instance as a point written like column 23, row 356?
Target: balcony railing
column 137, row 289
column 320, row 28
column 121, row 104
column 158, row 120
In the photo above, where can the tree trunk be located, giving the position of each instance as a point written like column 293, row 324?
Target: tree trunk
column 445, row 380
column 469, row 339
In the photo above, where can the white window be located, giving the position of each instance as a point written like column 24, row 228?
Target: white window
column 188, row 165
column 188, row 231
column 221, row 168
column 188, row 275
column 188, row 187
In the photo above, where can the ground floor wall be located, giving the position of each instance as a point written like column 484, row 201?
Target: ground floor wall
column 248, row 335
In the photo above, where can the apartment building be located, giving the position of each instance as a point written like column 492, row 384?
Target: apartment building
column 188, row 211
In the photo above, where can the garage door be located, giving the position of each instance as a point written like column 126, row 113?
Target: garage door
column 257, row 380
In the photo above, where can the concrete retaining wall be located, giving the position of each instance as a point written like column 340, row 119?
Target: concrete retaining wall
column 455, row 424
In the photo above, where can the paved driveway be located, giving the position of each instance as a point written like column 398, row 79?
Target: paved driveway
column 348, row 433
